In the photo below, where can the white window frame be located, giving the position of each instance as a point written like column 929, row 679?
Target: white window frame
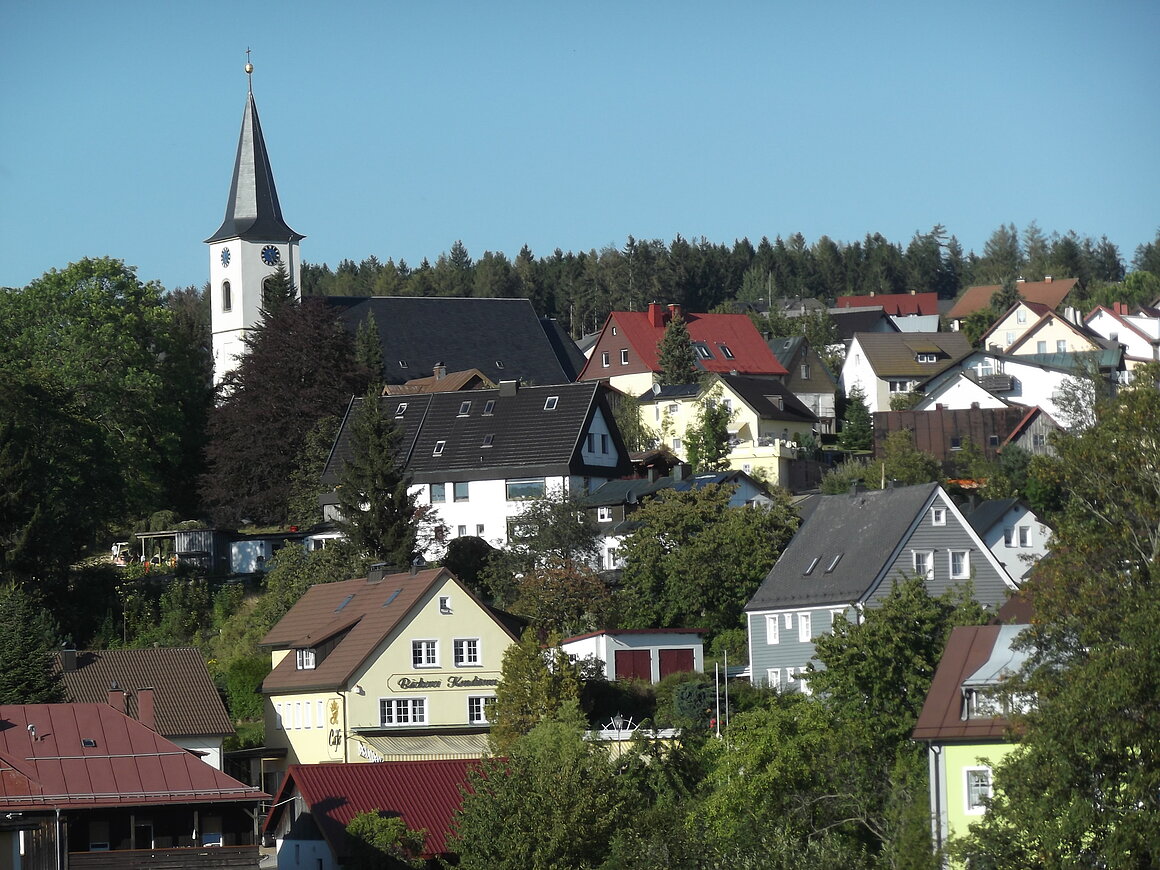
column 605, row 359
column 551, row 402
column 624, row 356
column 305, row 659
column 1009, row 537
column 805, row 630
column 976, row 808
column 1061, row 345
column 467, row 652
column 424, row 653
column 938, row 516
column 466, row 491
column 1025, row 536
column 835, row 616
column 478, row 707
column 415, row 707
column 437, row 450
column 1041, row 347
column 772, row 629
column 1021, row 315
column 964, row 573
column 927, row 569
column 604, row 514
column 773, row 678
column 527, row 482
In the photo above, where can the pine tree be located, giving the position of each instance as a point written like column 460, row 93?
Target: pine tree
column 675, row 351
column 368, row 348
column 27, row 676
column 857, row 427
column 277, row 291
column 377, row 508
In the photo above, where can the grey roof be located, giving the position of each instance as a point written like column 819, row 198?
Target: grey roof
column 527, row 439
column 853, row 320
column 860, row 532
column 252, row 211
column 1004, row 661
column 987, row 513
column 503, row 338
column 568, row 353
column 785, row 348
column 634, row 490
column 671, row 391
column 1109, row 358
column 761, row 394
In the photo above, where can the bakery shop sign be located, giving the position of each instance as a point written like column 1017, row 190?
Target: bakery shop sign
column 436, row 682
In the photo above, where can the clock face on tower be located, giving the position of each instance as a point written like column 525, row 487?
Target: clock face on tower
column 225, row 256
column 270, row 255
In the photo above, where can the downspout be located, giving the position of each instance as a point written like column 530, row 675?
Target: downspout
column 933, row 756
column 59, row 866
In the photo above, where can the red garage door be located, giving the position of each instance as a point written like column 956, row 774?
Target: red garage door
column 633, row 664
column 676, row 661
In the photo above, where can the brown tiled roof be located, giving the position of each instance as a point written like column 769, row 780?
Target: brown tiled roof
column 358, row 615
column 894, row 354
column 452, row 382
column 1050, row 293
column 968, row 649
column 895, row 304
column 186, row 702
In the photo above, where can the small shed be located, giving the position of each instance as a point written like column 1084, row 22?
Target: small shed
column 642, row 654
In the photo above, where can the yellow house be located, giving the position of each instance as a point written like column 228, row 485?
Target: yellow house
column 767, row 421
column 395, row 667
column 1032, row 329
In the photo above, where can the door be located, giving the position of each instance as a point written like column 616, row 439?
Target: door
column 633, row 664
column 676, row 661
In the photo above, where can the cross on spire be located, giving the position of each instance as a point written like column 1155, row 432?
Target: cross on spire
column 249, row 72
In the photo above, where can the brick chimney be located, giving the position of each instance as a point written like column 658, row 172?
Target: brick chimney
column 1047, row 279
column 68, row 659
column 145, row 713
column 117, row 698
column 656, row 314
column 674, row 310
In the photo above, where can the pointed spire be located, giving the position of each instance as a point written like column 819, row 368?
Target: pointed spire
column 253, row 212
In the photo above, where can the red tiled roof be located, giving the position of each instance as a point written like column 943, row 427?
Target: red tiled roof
column 896, row 304
column 425, row 793
column 967, row 650
column 976, row 298
column 91, row 755
column 736, row 332
column 186, row 702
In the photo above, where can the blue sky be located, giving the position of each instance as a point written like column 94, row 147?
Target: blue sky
column 396, row 128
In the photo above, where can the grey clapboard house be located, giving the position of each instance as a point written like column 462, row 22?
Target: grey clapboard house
column 845, row 557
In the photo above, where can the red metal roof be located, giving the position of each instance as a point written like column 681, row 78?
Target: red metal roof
column 968, row 649
column 91, row 755
column 895, row 304
column 427, row 794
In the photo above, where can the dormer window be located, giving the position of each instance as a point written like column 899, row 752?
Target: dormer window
column 305, row 659
column 550, row 403
column 927, row 358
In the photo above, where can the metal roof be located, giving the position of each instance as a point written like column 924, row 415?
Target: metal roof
column 91, row 755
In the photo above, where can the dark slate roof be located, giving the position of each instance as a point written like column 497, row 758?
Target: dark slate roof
column 987, row 513
column 785, row 348
column 853, row 320
column 185, row 701
column 427, row 794
column 861, row 531
column 671, row 391
column 503, row 338
column 123, row 764
column 635, row 490
column 571, row 358
column 252, row 211
column 757, row 392
column 527, row 439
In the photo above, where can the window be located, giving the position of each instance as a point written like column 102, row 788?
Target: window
column 702, row 350
column 1021, row 315
column 400, row 410
column 479, row 530
column 992, row 440
column 673, row 408
column 1061, row 345
column 464, row 409
column 439, row 445
column 604, row 514
column 960, row 564
column 836, row 618
column 1025, row 536
column 900, row 386
column 499, row 363
column 956, row 442
column 1010, row 338
column 624, row 356
column 227, row 297
column 772, row 629
column 938, row 516
column 611, row 559
column 812, row 566
column 923, row 563
column 978, row 788
column 488, row 407
column 438, row 493
column 305, row 659
column 525, row 488
column 725, row 351
column 773, row 679
column 488, row 440
column 466, row 650
column 460, row 531
column 804, row 633
column 425, row 653
column 727, row 404
column 278, row 723
column 590, row 442
column 1041, row 347
column 676, row 443
column 805, row 371
column 550, row 403
column 834, row 563
column 605, row 359
column 927, row 357
column 1038, row 439
column 603, row 443
column 479, row 709
column 798, row 676
column 461, row 491
column 1009, row 537
column 403, row 711
column 614, row 330
column 445, row 604
column 403, row 364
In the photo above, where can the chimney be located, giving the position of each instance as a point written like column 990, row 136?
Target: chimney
column 680, row 471
column 871, row 292
column 1022, row 280
column 376, row 571
column 440, row 371
column 145, row 714
column 508, row 388
column 913, row 292
column 674, row 310
column 1047, row 279
column 653, row 474
column 117, row 698
column 656, row 314
column 68, row 659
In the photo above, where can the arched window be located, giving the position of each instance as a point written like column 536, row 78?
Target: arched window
column 227, row 299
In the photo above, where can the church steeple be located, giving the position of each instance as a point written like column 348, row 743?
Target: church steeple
column 252, row 211
column 252, row 243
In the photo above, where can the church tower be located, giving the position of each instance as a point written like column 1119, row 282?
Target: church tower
column 249, row 246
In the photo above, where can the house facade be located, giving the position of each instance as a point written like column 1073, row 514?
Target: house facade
column 965, row 724
column 1138, row 333
column 808, row 378
column 885, row 364
column 1049, row 292
column 944, row 433
column 1018, row 538
column 845, row 558
column 401, row 666
column 641, row 654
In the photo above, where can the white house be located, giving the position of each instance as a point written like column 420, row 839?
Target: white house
column 1013, row 532
column 886, row 363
